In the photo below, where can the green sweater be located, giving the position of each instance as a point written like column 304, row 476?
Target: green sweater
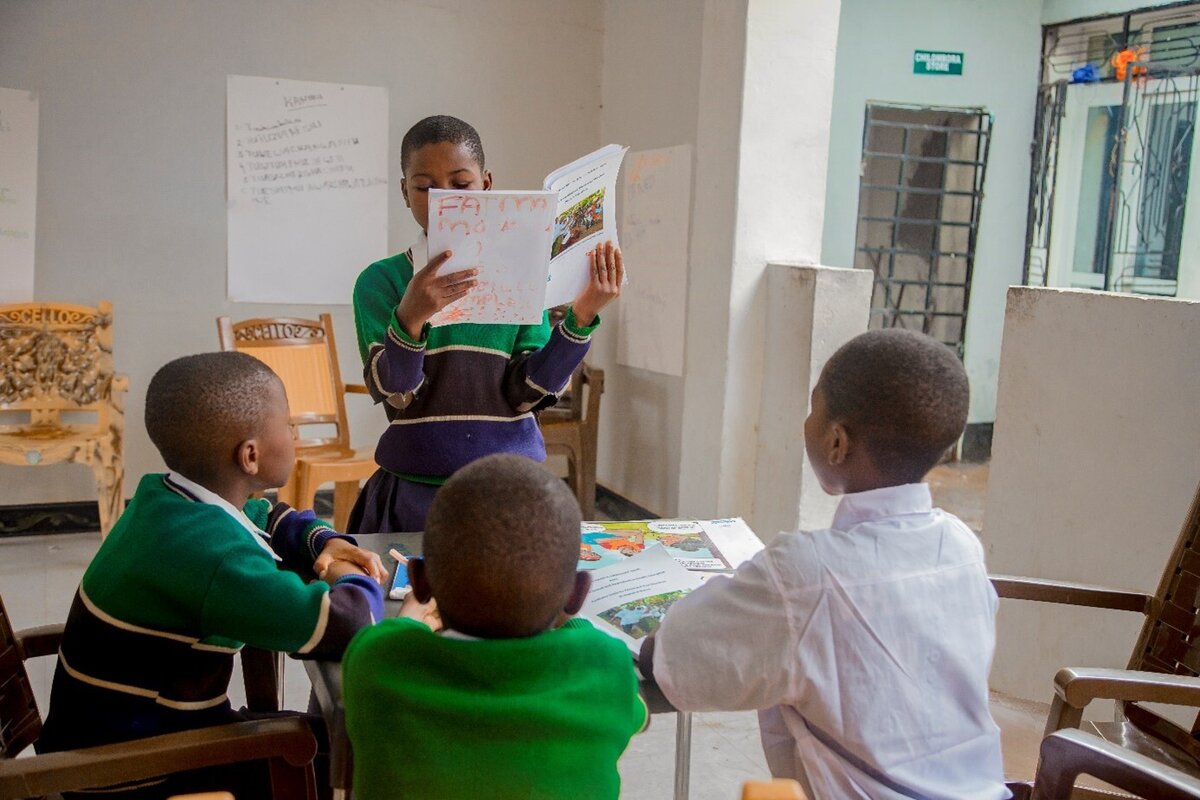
column 435, row 717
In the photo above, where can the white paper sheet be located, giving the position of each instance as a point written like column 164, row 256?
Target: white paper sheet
column 656, row 206
column 716, row 544
column 586, row 217
column 628, row 600
column 496, row 233
column 306, row 188
column 18, row 193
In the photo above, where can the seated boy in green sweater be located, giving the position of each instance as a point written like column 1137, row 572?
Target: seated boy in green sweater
column 513, row 698
column 195, row 567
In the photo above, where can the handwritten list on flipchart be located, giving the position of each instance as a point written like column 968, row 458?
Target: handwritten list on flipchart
column 654, row 238
column 18, row 193
column 306, row 186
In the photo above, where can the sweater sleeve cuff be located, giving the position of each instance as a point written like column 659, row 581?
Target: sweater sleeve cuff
column 370, row 588
column 320, row 536
column 400, row 336
column 571, row 326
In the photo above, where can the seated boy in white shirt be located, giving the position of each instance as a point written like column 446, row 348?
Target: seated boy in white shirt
column 865, row 647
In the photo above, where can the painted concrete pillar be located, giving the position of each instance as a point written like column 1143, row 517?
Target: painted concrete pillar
column 759, row 197
column 811, row 312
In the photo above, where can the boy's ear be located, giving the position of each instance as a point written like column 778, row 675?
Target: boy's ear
column 839, row 443
column 246, row 456
column 487, row 180
column 579, row 592
column 419, row 580
column 404, row 191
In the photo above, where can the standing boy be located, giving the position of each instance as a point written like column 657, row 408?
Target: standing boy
column 457, row 392
column 511, row 699
column 194, row 568
column 866, row 647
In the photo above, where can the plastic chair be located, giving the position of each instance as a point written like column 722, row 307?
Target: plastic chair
column 778, row 789
column 287, row 743
column 1065, row 755
column 1163, row 667
column 303, row 354
column 56, row 360
column 572, row 429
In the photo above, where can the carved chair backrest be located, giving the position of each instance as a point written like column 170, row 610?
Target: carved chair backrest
column 1170, row 638
column 20, row 722
column 303, row 354
column 55, row 358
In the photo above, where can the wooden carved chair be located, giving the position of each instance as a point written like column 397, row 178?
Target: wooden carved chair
column 303, row 354
column 56, row 371
column 287, row 743
column 1163, row 667
column 572, row 429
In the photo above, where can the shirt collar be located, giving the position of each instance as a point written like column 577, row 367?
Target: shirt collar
column 211, row 498
column 418, row 254
column 890, row 501
column 450, row 633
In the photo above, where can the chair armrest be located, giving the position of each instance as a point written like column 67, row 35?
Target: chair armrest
column 1066, row 755
column 1012, row 587
column 40, row 641
column 1078, row 687
column 119, row 385
column 289, row 738
column 356, row 388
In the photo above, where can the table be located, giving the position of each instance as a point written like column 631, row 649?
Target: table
column 326, row 678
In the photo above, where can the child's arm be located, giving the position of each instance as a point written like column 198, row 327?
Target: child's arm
column 393, row 325
column 535, row 379
column 250, row 600
column 727, row 646
column 299, row 538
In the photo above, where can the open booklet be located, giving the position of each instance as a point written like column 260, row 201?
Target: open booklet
column 713, row 544
column 531, row 248
column 628, row 600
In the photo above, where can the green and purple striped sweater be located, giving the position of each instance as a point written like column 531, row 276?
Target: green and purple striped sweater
column 463, row 391
column 176, row 589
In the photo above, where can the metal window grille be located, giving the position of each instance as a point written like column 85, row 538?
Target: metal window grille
column 920, row 193
column 1149, row 144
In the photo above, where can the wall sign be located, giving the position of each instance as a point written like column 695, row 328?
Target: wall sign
column 937, row 62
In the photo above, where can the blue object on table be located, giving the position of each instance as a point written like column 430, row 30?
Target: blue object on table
column 1086, row 74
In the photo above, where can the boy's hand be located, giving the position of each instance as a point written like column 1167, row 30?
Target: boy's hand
column 335, row 550
column 608, row 273
column 428, row 293
column 421, row 612
column 337, row 569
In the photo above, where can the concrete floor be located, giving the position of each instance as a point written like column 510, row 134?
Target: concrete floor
column 38, row 577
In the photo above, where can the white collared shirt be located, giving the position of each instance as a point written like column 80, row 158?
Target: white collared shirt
column 879, row 631
column 211, row 498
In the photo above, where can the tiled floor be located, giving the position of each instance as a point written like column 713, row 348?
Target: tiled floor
column 38, row 576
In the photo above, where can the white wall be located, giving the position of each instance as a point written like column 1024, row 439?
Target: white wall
column 763, row 139
column 650, row 93
column 131, row 195
column 1054, row 11
column 1001, row 43
column 1095, row 460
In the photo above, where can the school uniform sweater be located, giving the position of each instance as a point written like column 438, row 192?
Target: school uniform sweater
column 434, row 716
column 461, row 391
column 177, row 587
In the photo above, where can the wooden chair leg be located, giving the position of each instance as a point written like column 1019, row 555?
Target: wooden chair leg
column 344, row 495
column 587, row 484
column 109, row 493
column 305, row 488
column 287, row 492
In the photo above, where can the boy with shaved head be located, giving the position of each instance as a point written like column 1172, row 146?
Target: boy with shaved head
column 512, row 698
column 195, row 568
column 865, row 647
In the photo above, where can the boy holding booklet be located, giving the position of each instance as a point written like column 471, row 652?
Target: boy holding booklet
column 512, row 698
column 456, row 392
column 865, row 647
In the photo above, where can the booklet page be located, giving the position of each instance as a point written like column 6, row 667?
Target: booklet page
column 503, row 234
